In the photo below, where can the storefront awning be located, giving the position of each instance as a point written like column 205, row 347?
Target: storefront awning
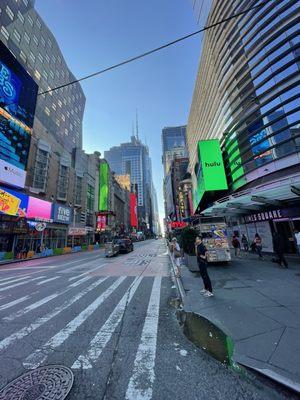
column 276, row 195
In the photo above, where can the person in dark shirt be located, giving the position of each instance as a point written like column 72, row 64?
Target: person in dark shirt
column 278, row 245
column 201, row 253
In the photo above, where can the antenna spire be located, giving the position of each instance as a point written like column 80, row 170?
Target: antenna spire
column 136, row 124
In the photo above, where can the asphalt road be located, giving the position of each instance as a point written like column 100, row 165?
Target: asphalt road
column 111, row 321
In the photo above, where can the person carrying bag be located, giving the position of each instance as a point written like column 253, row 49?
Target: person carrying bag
column 176, row 254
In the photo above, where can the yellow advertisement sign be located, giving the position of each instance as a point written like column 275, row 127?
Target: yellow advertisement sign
column 9, row 204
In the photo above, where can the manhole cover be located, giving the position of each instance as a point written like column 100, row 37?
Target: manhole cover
column 45, row 383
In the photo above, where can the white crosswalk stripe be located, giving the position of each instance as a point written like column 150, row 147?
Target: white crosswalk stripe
column 144, row 363
column 40, row 355
column 20, row 283
column 47, row 280
column 80, row 281
column 42, row 320
column 13, row 303
column 87, row 272
column 12, row 279
column 39, row 303
column 101, row 339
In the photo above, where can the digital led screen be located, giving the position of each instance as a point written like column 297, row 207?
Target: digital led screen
column 18, row 94
column 13, row 203
column 38, row 208
column 133, row 211
column 103, row 187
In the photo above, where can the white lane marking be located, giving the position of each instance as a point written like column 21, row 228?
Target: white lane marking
column 101, row 339
column 80, row 281
column 39, row 303
column 42, row 320
column 13, row 303
column 48, row 280
column 39, row 356
column 13, row 280
column 141, row 382
column 21, row 283
column 87, row 272
column 13, row 277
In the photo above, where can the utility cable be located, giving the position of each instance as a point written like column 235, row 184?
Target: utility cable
column 156, row 49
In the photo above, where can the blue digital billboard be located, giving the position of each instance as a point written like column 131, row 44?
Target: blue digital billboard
column 18, row 94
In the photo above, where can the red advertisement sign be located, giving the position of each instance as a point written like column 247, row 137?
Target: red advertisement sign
column 178, row 224
column 133, row 210
column 101, row 223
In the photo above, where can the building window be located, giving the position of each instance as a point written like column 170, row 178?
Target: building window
column 59, row 103
column 49, row 43
column 43, row 41
column 30, row 20
column 32, row 56
column 17, row 36
column 23, row 56
column 78, row 190
column 5, row 33
column 47, row 58
column 25, row 2
column 37, row 74
column 10, row 13
column 63, row 117
column 20, row 16
column 38, row 23
column 54, row 106
column 41, row 58
column 41, row 170
column 35, row 39
column 90, row 198
column 53, row 58
column 47, row 111
column 26, row 38
column 51, row 74
column 63, row 182
column 45, row 74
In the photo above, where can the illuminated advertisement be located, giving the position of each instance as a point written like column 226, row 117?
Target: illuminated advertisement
column 101, row 222
column 18, row 93
column 133, row 211
column 13, row 203
column 39, row 209
column 103, row 187
column 211, row 173
column 61, row 214
column 260, row 148
column 234, row 160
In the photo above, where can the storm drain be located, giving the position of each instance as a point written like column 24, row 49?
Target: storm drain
column 52, row 382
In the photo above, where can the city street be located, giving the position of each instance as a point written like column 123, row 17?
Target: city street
column 111, row 321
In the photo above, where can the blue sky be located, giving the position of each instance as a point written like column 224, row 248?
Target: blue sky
column 94, row 34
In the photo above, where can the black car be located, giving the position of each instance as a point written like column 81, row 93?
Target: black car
column 125, row 245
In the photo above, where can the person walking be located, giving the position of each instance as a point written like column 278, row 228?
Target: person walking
column 258, row 245
column 278, row 247
column 201, row 253
column 176, row 254
column 236, row 245
column 245, row 242
column 297, row 237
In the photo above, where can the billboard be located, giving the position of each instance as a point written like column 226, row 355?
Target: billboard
column 39, row 209
column 211, row 173
column 133, row 211
column 103, row 187
column 235, row 161
column 13, row 203
column 18, row 94
column 101, row 222
column 61, row 214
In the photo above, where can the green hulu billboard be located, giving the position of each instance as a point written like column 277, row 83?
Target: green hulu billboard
column 211, row 174
column 103, row 186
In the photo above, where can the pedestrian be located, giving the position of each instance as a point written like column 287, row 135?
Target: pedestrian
column 176, row 254
column 201, row 253
column 297, row 237
column 236, row 245
column 258, row 245
column 245, row 242
column 278, row 246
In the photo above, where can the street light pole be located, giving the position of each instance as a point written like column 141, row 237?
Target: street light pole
column 73, row 236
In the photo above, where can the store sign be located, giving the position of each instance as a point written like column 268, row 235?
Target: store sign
column 133, row 211
column 39, row 209
column 103, row 187
column 178, row 224
column 264, row 216
column 13, row 203
column 61, row 214
column 18, row 94
column 77, row 231
column 40, row 226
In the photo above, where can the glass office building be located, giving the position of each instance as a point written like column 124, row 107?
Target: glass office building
column 247, row 95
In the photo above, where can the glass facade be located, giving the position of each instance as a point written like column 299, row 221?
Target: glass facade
column 254, row 97
column 173, row 137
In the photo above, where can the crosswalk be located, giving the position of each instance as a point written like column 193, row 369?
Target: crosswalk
column 49, row 321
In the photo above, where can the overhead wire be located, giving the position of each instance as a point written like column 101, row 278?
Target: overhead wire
column 156, row 49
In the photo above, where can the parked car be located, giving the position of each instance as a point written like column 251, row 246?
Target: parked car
column 125, row 245
column 112, row 248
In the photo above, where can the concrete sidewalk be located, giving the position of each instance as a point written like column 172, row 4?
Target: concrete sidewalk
column 258, row 305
